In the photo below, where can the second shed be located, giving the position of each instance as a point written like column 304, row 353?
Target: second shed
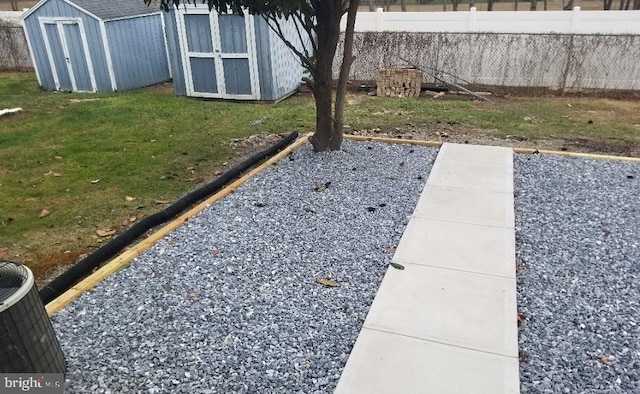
column 96, row 45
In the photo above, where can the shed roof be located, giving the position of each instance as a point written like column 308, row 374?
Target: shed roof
column 105, row 9
column 112, row 9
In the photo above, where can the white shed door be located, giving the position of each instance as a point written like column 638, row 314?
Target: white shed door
column 69, row 58
column 218, row 53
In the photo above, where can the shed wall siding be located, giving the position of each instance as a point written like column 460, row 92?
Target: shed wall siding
column 286, row 68
column 174, row 52
column 141, row 61
column 60, row 9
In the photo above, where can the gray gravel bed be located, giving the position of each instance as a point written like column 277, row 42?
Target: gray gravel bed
column 228, row 303
column 578, row 259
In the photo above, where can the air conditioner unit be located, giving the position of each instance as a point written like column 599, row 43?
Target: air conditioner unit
column 28, row 343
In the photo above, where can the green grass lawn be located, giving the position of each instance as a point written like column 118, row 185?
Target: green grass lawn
column 80, row 156
column 95, row 161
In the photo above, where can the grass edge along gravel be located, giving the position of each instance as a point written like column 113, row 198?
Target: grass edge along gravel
column 81, row 166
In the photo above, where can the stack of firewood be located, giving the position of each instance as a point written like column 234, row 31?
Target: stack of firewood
column 399, row 82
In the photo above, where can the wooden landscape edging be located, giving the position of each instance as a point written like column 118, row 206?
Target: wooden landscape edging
column 123, row 259
column 528, row 151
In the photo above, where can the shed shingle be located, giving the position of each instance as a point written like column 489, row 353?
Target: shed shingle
column 112, row 9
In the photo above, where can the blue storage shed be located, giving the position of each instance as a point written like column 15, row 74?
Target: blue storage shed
column 230, row 56
column 96, row 45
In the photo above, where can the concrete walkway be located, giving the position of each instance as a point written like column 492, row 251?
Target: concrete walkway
column 447, row 322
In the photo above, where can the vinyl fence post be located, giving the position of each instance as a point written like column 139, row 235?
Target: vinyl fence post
column 575, row 19
column 379, row 17
column 473, row 15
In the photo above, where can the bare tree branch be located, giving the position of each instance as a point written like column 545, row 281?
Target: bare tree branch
column 309, row 32
column 277, row 29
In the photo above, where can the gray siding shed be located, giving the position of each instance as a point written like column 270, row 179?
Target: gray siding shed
column 96, row 45
column 229, row 56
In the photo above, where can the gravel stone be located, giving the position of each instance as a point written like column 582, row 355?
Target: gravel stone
column 578, row 261
column 228, row 303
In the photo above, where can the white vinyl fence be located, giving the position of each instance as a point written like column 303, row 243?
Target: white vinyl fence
column 472, row 21
column 539, row 54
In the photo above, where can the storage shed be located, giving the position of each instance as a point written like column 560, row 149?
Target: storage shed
column 96, row 45
column 230, row 56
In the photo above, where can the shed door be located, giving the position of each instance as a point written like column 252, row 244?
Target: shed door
column 68, row 55
column 219, row 54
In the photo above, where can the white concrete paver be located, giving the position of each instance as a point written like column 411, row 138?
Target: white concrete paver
column 430, row 242
column 387, row 363
column 447, row 306
column 447, row 322
column 466, row 206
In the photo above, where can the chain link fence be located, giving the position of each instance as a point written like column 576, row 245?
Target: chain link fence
column 14, row 52
column 532, row 63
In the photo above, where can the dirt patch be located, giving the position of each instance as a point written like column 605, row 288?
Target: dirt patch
column 246, row 147
column 162, row 88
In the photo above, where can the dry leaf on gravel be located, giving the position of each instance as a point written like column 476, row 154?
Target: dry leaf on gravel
column 605, row 360
column 3, row 252
column 129, row 198
column 44, row 213
column 327, row 282
column 523, row 356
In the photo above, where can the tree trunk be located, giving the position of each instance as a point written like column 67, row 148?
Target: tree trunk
column 607, row 4
column 545, row 4
column 454, row 4
column 534, row 5
column 636, row 4
column 345, row 68
column 328, row 14
column 444, row 5
column 568, row 6
column 515, row 5
column 387, row 5
column 14, row 5
column 490, row 5
column 403, row 6
column 322, row 138
column 372, row 5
